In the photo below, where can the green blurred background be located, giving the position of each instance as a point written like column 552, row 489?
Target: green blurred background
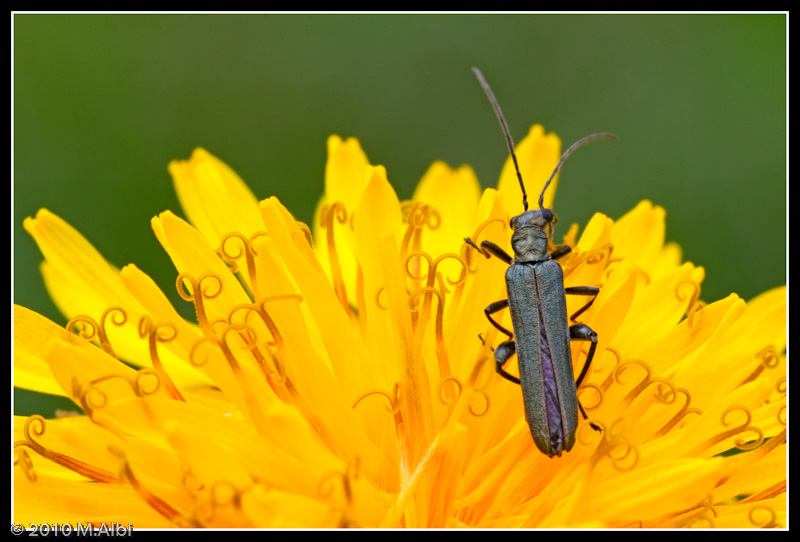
column 102, row 103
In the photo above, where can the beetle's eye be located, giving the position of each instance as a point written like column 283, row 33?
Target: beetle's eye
column 513, row 222
column 547, row 214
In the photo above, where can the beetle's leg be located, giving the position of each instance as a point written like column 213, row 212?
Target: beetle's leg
column 585, row 417
column 501, row 356
column 489, row 247
column 493, row 308
column 582, row 332
column 582, row 290
column 561, row 251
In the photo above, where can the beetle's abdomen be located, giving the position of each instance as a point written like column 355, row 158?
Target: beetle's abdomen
column 541, row 333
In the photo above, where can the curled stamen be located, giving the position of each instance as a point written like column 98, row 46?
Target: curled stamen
column 412, row 303
column 706, row 514
column 739, row 442
column 394, row 399
column 423, row 255
column 248, row 336
column 198, row 294
column 599, row 254
column 641, row 385
column 467, row 249
column 140, row 387
column 696, row 306
column 769, row 522
column 378, row 298
column 780, row 387
column 431, row 276
column 450, row 255
column 422, row 323
column 600, row 395
column 486, row 404
column 392, row 408
column 338, row 211
column 89, row 405
column 231, row 257
column 421, row 214
column 25, row 463
column 630, row 453
column 682, row 413
column 306, row 232
column 233, row 267
column 610, row 267
column 597, row 368
column 668, row 397
column 154, row 334
column 278, row 372
column 329, row 212
column 693, row 297
column 590, row 257
column 189, row 481
column 769, row 357
column 700, row 521
column 35, row 425
column 249, row 253
column 418, row 216
column 99, row 329
column 449, row 400
column 83, row 326
column 217, row 323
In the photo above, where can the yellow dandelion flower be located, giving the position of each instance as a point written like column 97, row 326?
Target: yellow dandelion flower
column 337, row 378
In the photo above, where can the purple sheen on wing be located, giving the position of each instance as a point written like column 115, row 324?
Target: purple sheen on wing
column 551, row 403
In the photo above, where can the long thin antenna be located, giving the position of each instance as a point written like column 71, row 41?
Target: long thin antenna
column 504, row 126
column 573, row 148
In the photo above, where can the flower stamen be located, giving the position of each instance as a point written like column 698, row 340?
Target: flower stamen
column 693, row 299
column 277, row 375
column 147, row 329
column 84, row 469
column 247, row 334
column 768, row 358
column 328, row 213
column 467, row 250
column 25, row 463
column 197, row 295
column 249, row 253
column 418, row 215
column 98, row 330
column 682, row 413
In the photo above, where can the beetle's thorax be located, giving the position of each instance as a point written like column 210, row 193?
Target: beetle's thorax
column 529, row 240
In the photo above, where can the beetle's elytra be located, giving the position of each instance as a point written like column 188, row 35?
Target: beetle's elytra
column 538, row 306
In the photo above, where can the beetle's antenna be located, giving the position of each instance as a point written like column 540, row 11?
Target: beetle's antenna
column 504, row 126
column 573, row 148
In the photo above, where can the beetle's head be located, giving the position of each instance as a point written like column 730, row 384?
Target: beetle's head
column 536, row 218
column 531, row 230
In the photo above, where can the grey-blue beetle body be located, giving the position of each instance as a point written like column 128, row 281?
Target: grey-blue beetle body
column 538, row 308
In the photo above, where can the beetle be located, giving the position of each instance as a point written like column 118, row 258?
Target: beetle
column 538, row 306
